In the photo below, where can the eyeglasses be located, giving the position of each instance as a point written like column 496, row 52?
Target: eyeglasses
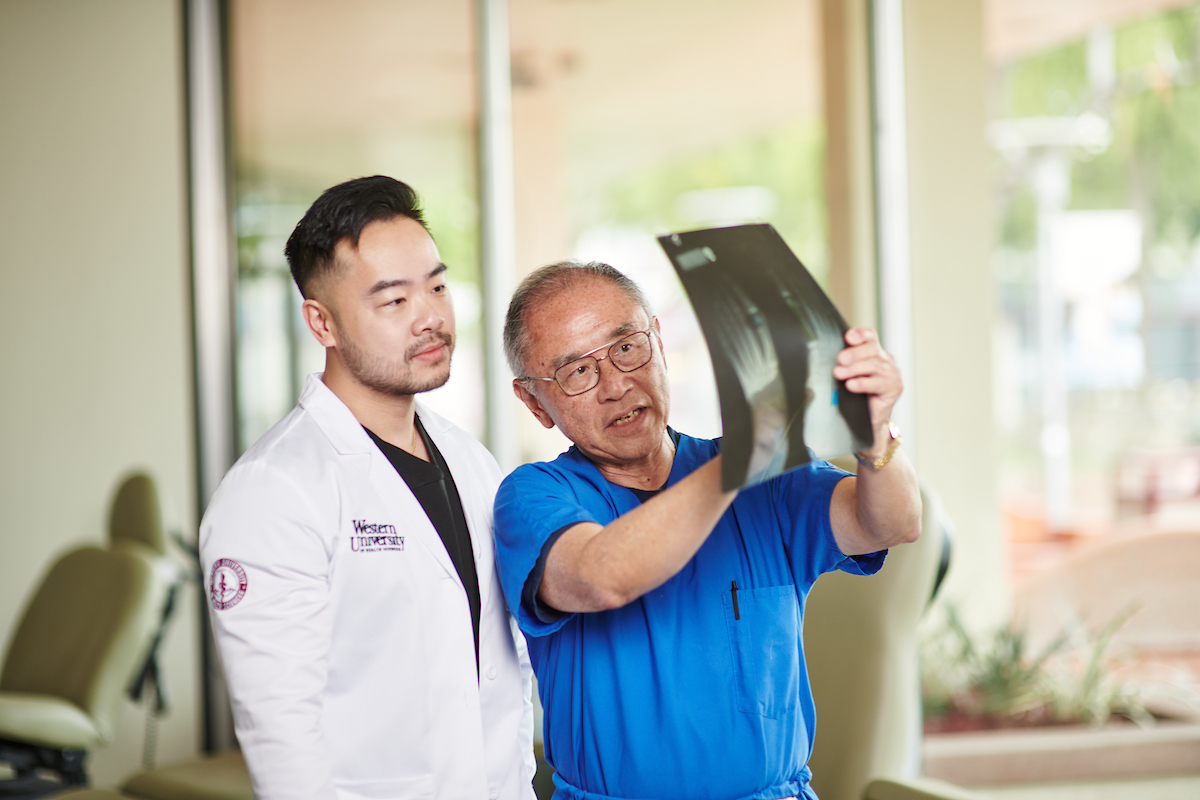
column 626, row 354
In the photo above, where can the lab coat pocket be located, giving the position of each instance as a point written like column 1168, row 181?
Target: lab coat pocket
column 764, row 641
column 417, row 788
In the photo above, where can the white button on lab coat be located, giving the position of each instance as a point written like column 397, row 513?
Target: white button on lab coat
column 343, row 627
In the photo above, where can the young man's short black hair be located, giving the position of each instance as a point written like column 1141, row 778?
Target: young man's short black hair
column 342, row 212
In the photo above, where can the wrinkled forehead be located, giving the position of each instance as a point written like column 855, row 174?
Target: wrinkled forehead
column 570, row 321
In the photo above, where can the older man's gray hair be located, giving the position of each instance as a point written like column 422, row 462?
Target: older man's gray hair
column 545, row 282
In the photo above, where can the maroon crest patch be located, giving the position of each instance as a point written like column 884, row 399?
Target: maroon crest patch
column 227, row 584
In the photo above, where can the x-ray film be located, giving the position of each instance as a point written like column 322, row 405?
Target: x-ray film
column 774, row 337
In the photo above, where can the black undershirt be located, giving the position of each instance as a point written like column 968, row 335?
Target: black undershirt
column 433, row 486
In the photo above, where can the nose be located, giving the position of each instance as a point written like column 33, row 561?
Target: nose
column 613, row 383
column 428, row 316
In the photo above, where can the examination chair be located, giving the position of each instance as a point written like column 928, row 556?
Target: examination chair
column 860, row 643
column 78, row 643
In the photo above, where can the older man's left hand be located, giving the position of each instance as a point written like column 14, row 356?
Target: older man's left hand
column 869, row 369
column 881, row 507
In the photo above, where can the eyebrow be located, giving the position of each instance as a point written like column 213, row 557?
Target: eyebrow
column 379, row 286
column 619, row 332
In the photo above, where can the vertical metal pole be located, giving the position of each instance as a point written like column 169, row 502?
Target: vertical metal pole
column 212, row 302
column 891, row 198
column 497, row 220
column 1052, row 182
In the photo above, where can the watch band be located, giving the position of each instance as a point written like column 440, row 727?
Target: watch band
column 881, row 462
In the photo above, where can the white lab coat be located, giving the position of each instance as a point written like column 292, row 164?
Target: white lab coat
column 351, row 661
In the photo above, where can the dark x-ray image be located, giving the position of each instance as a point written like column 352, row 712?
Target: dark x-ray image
column 774, row 337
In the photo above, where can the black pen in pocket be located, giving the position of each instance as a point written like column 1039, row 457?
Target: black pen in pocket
column 737, row 614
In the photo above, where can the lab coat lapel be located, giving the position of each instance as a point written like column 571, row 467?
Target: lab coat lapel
column 476, row 500
column 352, row 443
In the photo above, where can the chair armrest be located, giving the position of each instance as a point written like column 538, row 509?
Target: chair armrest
column 916, row 789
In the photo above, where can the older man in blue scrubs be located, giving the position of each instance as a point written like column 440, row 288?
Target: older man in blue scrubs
column 663, row 614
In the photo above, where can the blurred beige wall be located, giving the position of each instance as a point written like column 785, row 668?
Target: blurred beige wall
column 96, row 358
column 946, row 73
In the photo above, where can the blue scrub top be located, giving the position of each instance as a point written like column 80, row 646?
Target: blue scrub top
column 675, row 695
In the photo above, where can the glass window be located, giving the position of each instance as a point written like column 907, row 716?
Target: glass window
column 327, row 91
column 635, row 119
column 1097, row 266
column 630, row 120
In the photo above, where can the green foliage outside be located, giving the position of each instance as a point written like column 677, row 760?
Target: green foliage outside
column 1152, row 162
column 788, row 160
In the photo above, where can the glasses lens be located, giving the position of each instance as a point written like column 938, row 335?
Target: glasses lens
column 631, row 352
column 626, row 355
column 578, row 376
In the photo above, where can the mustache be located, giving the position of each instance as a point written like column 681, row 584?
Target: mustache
column 444, row 339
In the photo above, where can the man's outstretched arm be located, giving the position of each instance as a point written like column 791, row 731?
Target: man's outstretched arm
column 594, row 568
column 881, row 507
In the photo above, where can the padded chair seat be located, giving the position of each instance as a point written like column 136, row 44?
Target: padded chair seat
column 45, row 720
column 222, row 777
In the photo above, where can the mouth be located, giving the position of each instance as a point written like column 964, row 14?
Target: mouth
column 627, row 418
column 431, row 351
column 431, row 354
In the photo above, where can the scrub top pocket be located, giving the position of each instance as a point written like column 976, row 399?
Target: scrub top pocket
column 764, row 641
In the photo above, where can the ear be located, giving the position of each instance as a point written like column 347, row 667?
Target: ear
column 658, row 332
column 319, row 320
column 532, row 403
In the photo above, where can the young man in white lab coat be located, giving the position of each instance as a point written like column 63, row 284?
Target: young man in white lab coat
column 348, row 554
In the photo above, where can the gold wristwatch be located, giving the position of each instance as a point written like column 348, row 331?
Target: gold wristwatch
column 881, row 462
